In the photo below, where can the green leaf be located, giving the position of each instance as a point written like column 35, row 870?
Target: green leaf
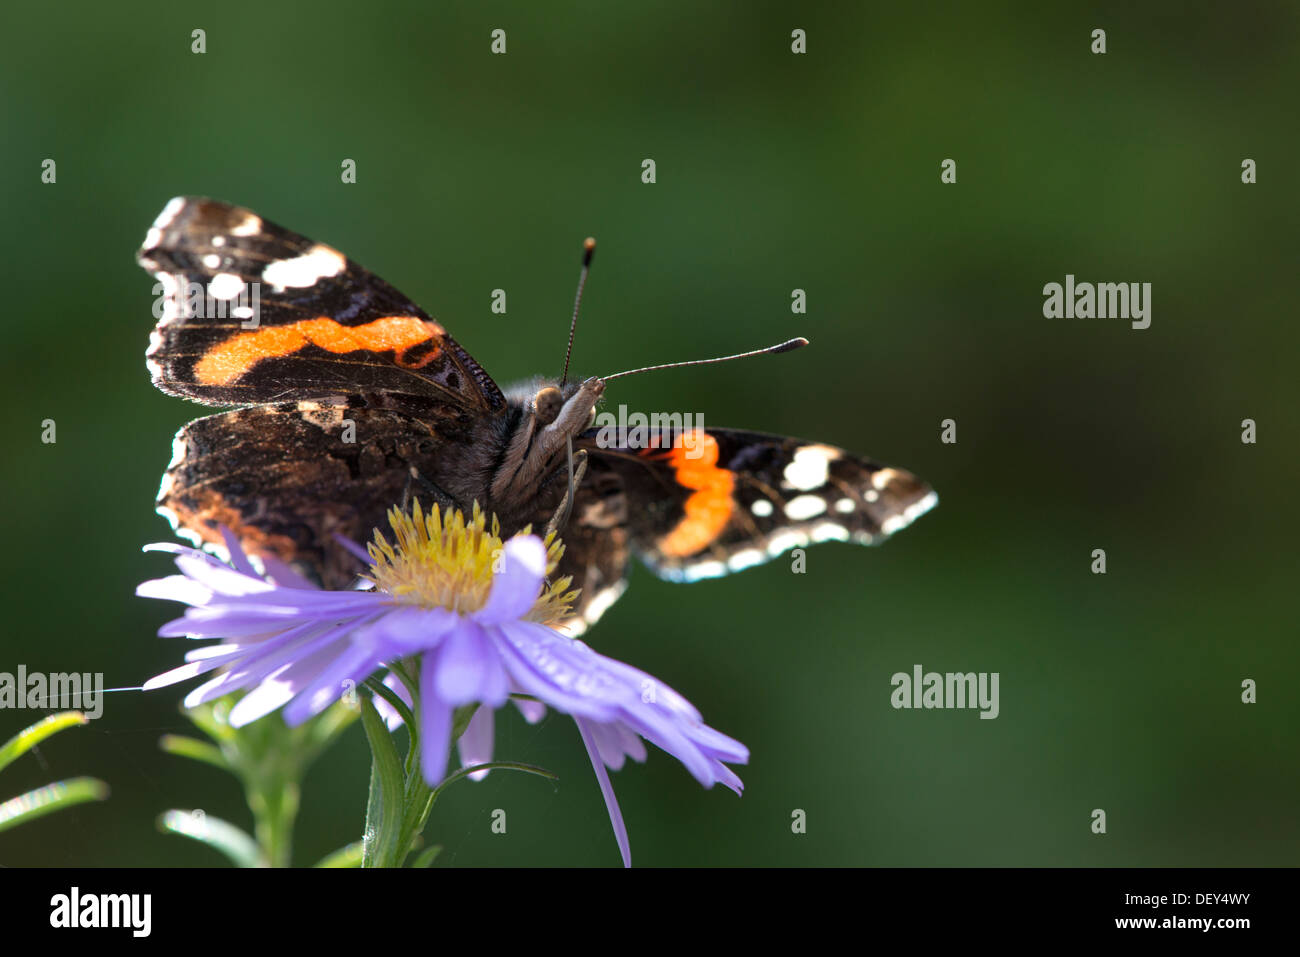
column 384, row 811
column 28, row 738
column 349, row 856
column 194, row 748
column 393, row 698
column 427, row 855
column 406, row 671
column 461, row 718
column 419, row 802
column 51, row 797
column 219, row 835
column 494, row 765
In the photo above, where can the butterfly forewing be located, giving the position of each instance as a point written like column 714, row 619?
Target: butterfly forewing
column 250, row 312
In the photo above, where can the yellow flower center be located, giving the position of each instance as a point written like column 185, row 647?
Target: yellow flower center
column 443, row 561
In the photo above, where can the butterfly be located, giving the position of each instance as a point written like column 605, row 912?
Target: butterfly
column 345, row 398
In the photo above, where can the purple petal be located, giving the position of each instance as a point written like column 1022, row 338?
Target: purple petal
column 616, row 742
column 175, row 588
column 670, row 738
column 346, row 671
column 296, row 668
column 183, row 673
column 469, row 668
column 409, row 629
column 569, row 676
column 237, row 557
column 515, row 587
column 224, row 623
column 361, row 554
column 606, row 789
column 729, row 779
column 199, row 661
column 722, row 747
column 265, row 614
column 262, row 700
column 171, row 548
column 268, row 657
column 223, row 650
column 533, row 711
column 391, row 716
column 556, row 670
column 435, row 725
column 475, row 744
column 220, row 578
column 284, row 575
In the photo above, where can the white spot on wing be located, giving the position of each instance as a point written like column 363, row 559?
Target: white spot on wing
column 225, row 285
column 883, row 477
column 710, row 569
column 762, row 508
column 179, row 449
column 154, row 236
column 804, row 507
column 844, row 506
column 317, row 263
column 909, row 514
column 251, row 225
column 174, row 206
column 784, row 541
column 150, row 363
column 212, row 260
column 829, row 532
column 174, row 520
column 746, row 558
column 810, row 466
column 171, row 285
column 165, row 486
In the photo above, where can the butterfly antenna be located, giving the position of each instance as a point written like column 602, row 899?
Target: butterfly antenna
column 588, row 250
column 786, row 346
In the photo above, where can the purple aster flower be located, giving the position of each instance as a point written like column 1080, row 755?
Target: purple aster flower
column 471, row 607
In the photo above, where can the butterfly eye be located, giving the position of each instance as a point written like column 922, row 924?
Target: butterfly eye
column 548, row 403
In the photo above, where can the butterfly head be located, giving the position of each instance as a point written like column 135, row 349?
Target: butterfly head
column 574, row 402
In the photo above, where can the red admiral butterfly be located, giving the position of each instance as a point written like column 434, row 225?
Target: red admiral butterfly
column 350, row 398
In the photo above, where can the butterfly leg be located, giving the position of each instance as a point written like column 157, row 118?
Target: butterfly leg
column 577, row 469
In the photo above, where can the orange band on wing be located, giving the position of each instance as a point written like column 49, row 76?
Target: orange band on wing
column 694, row 460
column 226, row 362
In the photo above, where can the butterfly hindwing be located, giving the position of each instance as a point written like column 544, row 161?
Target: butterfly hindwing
column 250, row 312
column 286, row 479
column 714, row 501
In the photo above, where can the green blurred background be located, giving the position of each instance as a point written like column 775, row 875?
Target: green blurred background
column 775, row 171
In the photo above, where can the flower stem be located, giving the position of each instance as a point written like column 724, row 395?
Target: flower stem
column 274, row 810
